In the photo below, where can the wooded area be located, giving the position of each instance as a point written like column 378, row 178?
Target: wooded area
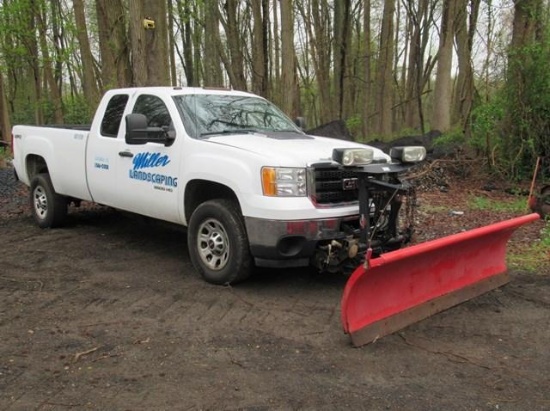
column 472, row 69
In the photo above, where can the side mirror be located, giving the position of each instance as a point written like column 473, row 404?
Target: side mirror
column 137, row 131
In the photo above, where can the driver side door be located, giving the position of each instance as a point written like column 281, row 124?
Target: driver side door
column 147, row 173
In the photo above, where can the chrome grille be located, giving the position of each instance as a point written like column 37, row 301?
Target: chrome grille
column 329, row 183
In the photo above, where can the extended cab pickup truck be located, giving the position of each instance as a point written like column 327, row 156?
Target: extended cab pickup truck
column 250, row 186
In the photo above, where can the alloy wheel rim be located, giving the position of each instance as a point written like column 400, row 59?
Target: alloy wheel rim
column 40, row 201
column 213, row 244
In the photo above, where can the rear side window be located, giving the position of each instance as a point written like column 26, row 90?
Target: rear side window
column 113, row 115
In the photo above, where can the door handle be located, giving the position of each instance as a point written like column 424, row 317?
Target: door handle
column 125, row 154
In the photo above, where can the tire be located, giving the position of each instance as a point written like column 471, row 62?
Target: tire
column 218, row 244
column 49, row 209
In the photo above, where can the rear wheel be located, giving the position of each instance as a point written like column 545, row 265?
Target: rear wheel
column 218, row 244
column 49, row 209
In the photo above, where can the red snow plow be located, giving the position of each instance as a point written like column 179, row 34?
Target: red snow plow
column 386, row 293
column 401, row 287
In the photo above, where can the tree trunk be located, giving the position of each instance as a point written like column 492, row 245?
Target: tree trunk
column 384, row 93
column 420, row 19
column 137, row 44
column 184, row 15
column 341, row 40
column 32, row 48
column 320, row 50
column 171, row 44
column 464, row 93
column 47, row 68
column 367, row 72
column 156, row 43
column 275, row 76
column 5, row 123
column 442, row 99
column 232, row 29
column 288, row 79
column 212, row 70
column 259, row 47
column 89, row 83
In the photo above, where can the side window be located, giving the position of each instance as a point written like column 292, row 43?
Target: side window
column 155, row 110
column 113, row 115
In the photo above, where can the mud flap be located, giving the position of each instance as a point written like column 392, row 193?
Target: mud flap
column 405, row 286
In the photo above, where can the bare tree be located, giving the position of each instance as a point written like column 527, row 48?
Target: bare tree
column 464, row 35
column 5, row 124
column 342, row 30
column 367, row 64
column 149, row 42
column 235, row 63
column 384, row 76
column 420, row 16
column 116, row 70
column 156, row 43
column 184, row 21
column 290, row 87
column 137, row 43
column 441, row 114
column 89, row 83
column 172, row 44
column 212, row 69
column 260, row 55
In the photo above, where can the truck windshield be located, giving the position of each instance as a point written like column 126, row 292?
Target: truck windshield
column 206, row 115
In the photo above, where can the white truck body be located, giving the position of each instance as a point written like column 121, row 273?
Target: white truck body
column 168, row 181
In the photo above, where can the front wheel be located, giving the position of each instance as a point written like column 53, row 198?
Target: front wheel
column 218, row 244
column 49, row 209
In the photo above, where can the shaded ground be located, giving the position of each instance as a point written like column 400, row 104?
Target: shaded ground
column 108, row 313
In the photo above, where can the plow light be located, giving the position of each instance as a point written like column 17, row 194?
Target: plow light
column 353, row 156
column 410, row 154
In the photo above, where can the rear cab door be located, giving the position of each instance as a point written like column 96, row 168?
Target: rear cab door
column 103, row 147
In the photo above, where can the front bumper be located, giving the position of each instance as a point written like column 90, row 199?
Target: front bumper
column 291, row 243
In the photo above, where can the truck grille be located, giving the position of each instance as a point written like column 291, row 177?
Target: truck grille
column 332, row 186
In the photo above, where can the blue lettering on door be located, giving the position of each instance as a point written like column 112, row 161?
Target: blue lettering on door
column 149, row 160
column 152, row 160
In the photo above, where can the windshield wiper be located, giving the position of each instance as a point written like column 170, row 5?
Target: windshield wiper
column 236, row 131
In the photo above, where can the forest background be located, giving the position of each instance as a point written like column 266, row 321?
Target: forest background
column 475, row 70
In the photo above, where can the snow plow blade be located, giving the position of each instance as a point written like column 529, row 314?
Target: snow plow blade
column 402, row 287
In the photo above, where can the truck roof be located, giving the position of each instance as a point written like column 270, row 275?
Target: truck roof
column 174, row 91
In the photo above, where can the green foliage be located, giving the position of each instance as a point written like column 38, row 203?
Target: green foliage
column 486, row 119
column 517, row 206
column 451, row 138
column 77, row 110
column 4, row 153
column 545, row 234
column 533, row 257
column 526, row 126
column 354, row 125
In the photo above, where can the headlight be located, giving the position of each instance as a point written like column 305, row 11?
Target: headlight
column 353, row 156
column 284, row 182
column 410, row 154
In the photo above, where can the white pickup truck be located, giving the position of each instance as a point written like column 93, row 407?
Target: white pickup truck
column 250, row 186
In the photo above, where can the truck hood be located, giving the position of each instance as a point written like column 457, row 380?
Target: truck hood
column 290, row 149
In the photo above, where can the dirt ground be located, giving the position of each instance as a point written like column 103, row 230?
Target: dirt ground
column 109, row 314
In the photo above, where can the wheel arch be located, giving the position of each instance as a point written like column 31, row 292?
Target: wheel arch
column 34, row 165
column 199, row 191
